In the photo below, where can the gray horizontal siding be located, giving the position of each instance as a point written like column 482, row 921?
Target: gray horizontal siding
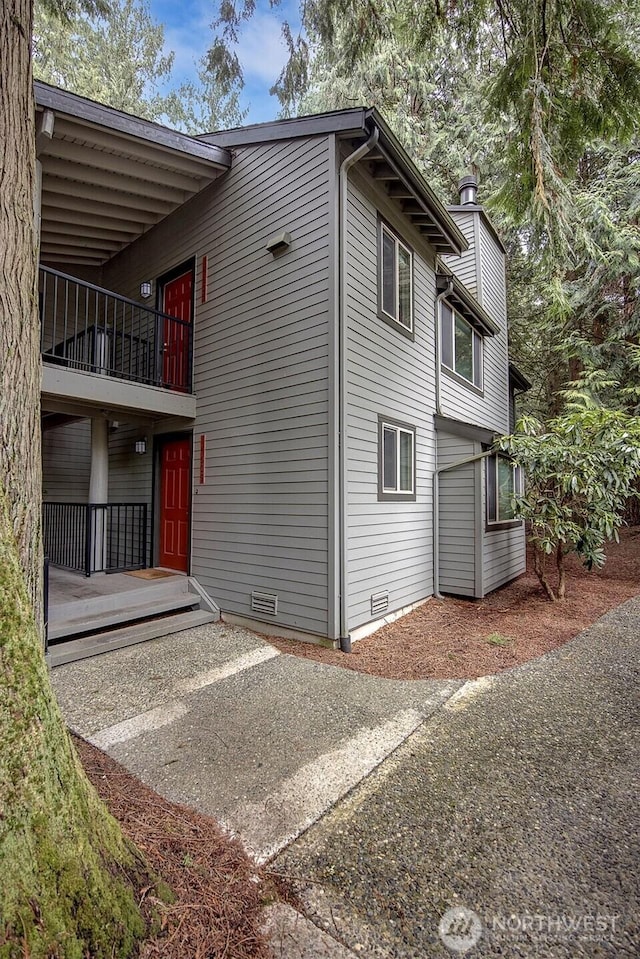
column 481, row 269
column 464, row 266
column 66, row 463
column 261, row 376
column 492, row 270
column 389, row 544
column 504, row 556
column 457, row 516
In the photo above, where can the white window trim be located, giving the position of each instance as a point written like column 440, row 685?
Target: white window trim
column 396, row 491
column 396, row 262
column 479, row 384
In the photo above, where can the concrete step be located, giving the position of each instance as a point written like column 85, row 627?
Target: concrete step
column 93, row 604
column 127, row 611
column 140, row 632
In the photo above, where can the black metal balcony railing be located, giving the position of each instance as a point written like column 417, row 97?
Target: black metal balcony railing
column 87, row 328
column 95, row 538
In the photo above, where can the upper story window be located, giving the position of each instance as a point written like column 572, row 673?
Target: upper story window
column 395, row 280
column 396, row 460
column 504, row 481
column 461, row 346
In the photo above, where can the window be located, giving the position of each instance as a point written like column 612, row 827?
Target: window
column 504, row 480
column 460, row 346
column 396, row 460
column 395, row 291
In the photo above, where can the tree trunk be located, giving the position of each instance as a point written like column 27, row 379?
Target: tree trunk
column 66, row 873
column 539, row 569
column 20, row 470
column 562, row 579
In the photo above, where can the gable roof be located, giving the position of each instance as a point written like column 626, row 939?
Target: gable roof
column 108, row 177
column 389, row 164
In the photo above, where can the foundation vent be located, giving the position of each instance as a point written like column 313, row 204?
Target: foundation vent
column 264, row 603
column 379, row 603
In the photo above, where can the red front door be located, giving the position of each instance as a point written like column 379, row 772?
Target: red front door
column 177, row 301
column 175, row 501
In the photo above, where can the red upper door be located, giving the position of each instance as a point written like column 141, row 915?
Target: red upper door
column 175, row 504
column 177, row 300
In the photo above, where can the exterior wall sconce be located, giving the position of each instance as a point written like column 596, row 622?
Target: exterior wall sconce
column 279, row 242
column 141, row 445
column 145, row 290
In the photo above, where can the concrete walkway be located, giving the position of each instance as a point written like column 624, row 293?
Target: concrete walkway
column 217, row 718
column 512, row 801
column 515, row 805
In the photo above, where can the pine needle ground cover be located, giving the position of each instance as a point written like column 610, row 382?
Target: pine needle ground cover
column 452, row 639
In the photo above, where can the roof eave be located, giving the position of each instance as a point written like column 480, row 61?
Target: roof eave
column 70, row 104
column 466, row 303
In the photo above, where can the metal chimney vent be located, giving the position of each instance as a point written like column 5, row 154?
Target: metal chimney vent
column 379, row 602
column 468, row 188
column 264, row 603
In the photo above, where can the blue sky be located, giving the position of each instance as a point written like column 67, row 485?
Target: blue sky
column 187, row 27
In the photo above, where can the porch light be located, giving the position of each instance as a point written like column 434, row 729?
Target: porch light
column 145, row 290
column 141, row 445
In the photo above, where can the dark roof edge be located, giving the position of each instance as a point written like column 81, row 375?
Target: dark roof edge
column 468, row 431
column 354, row 122
column 351, row 121
column 465, row 302
column 518, row 379
column 70, row 104
column 476, row 208
column 390, row 144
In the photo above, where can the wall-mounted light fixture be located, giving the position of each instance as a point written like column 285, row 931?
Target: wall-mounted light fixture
column 279, row 242
column 141, row 445
column 145, row 290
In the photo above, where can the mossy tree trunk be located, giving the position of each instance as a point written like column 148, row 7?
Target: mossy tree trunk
column 67, row 875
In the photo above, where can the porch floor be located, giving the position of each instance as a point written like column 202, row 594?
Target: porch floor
column 67, row 587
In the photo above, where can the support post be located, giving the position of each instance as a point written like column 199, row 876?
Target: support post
column 98, row 490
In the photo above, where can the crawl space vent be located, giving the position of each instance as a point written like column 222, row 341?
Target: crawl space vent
column 264, row 603
column 379, row 602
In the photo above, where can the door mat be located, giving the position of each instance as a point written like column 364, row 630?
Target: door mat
column 149, row 573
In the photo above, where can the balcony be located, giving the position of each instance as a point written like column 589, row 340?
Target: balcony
column 105, row 350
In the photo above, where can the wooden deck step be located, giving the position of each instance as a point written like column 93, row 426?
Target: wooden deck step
column 139, row 632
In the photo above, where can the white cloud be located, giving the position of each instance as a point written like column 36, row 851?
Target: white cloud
column 261, row 49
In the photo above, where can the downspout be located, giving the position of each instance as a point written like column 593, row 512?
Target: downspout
column 345, row 166
column 436, row 513
column 439, row 298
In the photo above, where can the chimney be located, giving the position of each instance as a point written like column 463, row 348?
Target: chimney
column 468, row 188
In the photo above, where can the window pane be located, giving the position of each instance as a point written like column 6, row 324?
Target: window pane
column 388, row 274
column 491, row 489
column 404, row 287
column 505, row 489
column 389, row 459
column 406, row 462
column 477, row 360
column 464, row 349
column 446, row 336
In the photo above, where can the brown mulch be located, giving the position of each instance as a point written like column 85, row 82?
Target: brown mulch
column 464, row 639
column 218, row 891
